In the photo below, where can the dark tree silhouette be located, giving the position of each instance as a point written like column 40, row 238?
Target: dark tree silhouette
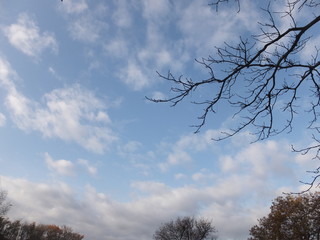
column 187, row 228
column 264, row 77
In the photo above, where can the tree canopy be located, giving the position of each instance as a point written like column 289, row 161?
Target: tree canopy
column 10, row 230
column 265, row 77
column 293, row 217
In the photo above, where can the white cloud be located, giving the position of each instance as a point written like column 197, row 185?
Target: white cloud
column 150, row 187
column 179, row 176
column 102, row 117
column 68, row 168
column 227, row 163
column 44, row 203
column 71, row 114
column 161, row 55
column 25, row 35
column 74, row 6
column 87, row 24
column 98, row 216
column 61, row 166
column 55, row 74
column 52, row 71
column 158, row 95
column 134, row 152
column 180, row 153
column 197, row 20
column 131, row 146
column 199, row 141
column 7, row 75
column 258, row 157
column 310, row 50
column 2, row 120
column 86, row 29
column 204, row 175
column 152, row 52
column 158, row 51
column 19, row 106
column 117, row 48
column 133, row 75
column 89, row 168
column 122, row 15
column 175, row 158
column 234, row 198
column 156, row 11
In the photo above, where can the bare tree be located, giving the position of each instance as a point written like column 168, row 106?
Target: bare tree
column 187, row 228
column 264, row 78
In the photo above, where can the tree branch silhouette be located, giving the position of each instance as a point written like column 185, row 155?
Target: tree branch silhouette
column 261, row 77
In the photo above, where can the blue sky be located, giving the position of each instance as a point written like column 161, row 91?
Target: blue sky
column 81, row 146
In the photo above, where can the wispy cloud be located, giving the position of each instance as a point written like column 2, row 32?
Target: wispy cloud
column 86, row 28
column 204, row 175
column 122, row 16
column 71, row 114
column 26, row 36
column 190, row 24
column 197, row 19
column 2, row 120
column 74, row 6
column 117, row 48
column 85, row 23
column 180, row 176
column 152, row 188
column 156, row 11
column 92, row 170
column 134, row 76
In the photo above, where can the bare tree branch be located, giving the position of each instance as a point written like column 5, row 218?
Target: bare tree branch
column 264, row 78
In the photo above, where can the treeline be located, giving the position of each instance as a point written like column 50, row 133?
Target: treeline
column 291, row 217
column 18, row 230
column 12, row 230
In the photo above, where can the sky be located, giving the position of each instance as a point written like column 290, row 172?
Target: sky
column 81, row 146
